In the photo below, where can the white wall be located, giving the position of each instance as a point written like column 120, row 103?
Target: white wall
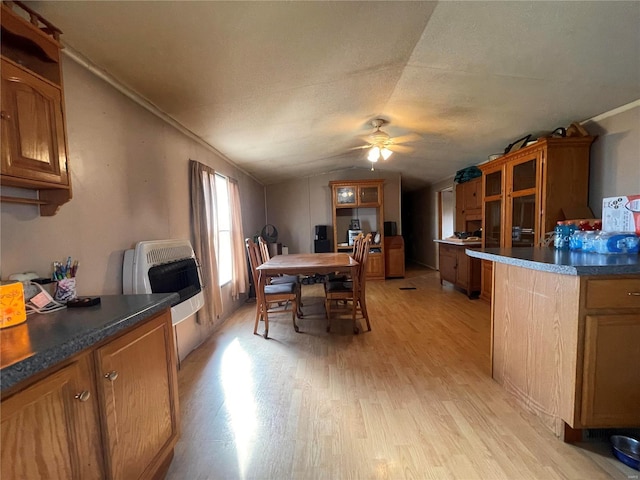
column 615, row 155
column 130, row 178
column 297, row 206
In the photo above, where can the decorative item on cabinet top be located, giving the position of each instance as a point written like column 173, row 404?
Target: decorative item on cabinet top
column 34, row 143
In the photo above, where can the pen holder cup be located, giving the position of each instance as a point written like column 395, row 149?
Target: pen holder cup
column 65, row 290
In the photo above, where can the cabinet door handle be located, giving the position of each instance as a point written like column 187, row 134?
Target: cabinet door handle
column 111, row 375
column 83, row 396
column 4, row 115
column 633, row 294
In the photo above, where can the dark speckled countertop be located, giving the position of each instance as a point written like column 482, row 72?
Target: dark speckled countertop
column 45, row 340
column 561, row 261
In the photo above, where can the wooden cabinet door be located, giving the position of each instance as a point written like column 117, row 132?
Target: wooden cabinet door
column 33, row 140
column 472, row 195
column 375, row 266
column 486, row 285
column 369, row 195
column 137, row 386
column 611, row 377
column 448, row 263
column 462, row 269
column 50, row 430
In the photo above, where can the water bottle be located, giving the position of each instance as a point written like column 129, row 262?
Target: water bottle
column 588, row 241
column 575, row 240
column 572, row 228
column 561, row 239
column 616, row 242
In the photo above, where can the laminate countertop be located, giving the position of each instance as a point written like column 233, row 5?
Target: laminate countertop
column 45, row 340
column 459, row 242
column 561, row 261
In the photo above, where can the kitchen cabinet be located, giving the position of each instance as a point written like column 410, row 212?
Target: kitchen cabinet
column 50, row 430
column 588, row 383
column 360, row 200
column 525, row 192
column 138, row 393
column 34, row 146
column 394, row 256
column 109, row 412
column 458, row 268
column 486, row 279
column 469, row 205
column 610, row 391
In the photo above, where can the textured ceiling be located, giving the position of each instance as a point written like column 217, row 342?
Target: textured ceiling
column 287, row 89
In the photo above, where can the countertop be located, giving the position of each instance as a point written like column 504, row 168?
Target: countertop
column 45, row 340
column 561, row 261
column 459, row 242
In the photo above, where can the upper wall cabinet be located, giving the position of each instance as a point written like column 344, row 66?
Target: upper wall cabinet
column 359, row 201
column 357, row 195
column 34, row 144
column 469, row 205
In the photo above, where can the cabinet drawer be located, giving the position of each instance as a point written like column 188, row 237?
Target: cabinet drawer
column 616, row 293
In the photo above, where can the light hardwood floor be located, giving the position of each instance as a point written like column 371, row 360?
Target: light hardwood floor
column 413, row 398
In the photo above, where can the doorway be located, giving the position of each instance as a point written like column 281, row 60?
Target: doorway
column 446, row 210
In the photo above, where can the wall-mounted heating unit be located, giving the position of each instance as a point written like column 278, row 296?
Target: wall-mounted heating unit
column 165, row 266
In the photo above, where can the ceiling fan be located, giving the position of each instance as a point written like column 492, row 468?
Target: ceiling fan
column 381, row 145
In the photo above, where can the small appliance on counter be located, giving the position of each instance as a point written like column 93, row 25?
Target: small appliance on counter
column 13, row 311
column 351, row 235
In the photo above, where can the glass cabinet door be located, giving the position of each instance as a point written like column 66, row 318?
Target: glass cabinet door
column 369, row 195
column 521, row 210
column 493, row 183
column 346, row 196
column 524, row 175
column 523, row 221
column 492, row 223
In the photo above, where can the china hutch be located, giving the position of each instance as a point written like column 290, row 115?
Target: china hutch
column 525, row 193
column 359, row 205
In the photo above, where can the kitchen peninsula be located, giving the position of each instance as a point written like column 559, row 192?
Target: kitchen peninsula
column 565, row 332
column 91, row 392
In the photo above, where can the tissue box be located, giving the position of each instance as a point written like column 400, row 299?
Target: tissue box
column 621, row 214
column 12, row 307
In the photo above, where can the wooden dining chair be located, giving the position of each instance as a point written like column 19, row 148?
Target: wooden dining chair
column 344, row 290
column 273, row 294
column 343, row 277
column 264, row 253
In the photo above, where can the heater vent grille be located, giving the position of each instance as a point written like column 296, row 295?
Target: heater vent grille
column 157, row 256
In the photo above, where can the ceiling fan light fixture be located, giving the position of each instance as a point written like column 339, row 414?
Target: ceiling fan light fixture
column 386, row 153
column 374, row 154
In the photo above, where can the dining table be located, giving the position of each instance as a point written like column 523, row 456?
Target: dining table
column 304, row 264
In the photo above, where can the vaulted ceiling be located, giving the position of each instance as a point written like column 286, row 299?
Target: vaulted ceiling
column 287, row 89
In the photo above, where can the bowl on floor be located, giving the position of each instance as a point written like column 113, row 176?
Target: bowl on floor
column 627, row 450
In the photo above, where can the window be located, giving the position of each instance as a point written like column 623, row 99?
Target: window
column 223, row 250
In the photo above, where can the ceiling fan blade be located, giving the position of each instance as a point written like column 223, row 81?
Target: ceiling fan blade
column 411, row 137
column 400, row 148
column 360, row 147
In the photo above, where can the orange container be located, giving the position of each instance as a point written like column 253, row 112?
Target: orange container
column 12, row 304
